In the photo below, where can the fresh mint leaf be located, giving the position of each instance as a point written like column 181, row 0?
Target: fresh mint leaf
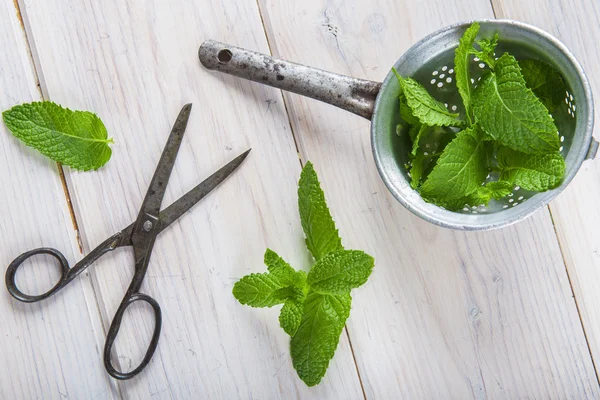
column 510, row 112
column 491, row 190
column 413, row 132
column 424, row 107
column 290, row 316
column 340, row 271
column 260, row 290
column 314, row 343
column 268, row 289
column 405, row 111
column 416, row 171
column 462, row 67
column 498, row 189
column 314, row 313
column 531, row 172
column 282, row 271
column 321, row 234
column 422, row 130
column 74, row 138
column 460, row 170
column 545, row 82
column 486, row 54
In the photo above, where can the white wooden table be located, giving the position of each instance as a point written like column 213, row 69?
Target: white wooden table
column 512, row 313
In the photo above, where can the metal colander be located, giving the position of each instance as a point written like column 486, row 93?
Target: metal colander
column 431, row 62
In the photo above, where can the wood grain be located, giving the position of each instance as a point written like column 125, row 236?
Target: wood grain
column 134, row 63
column 575, row 212
column 445, row 314
column 50, row 349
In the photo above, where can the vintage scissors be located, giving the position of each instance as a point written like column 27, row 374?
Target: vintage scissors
column 141, row 234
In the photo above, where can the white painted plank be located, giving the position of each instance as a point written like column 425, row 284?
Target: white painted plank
column 50, row 349
column 576, row 213
column 135, row 64
column 445, row 314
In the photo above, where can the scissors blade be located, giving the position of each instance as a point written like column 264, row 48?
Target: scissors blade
column 187, row 201
column 158, row 185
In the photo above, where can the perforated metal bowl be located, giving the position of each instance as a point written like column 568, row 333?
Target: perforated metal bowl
column 431, row 62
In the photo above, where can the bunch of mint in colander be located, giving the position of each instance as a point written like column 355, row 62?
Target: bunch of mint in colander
column 507, row 137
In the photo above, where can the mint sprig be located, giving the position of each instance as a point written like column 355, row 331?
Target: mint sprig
column 511, row 113
column 508, row 137
column 74, row 138
column 315, row 305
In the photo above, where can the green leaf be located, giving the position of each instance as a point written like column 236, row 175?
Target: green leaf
column 498, row 189
column 462, row 67
column 416, row 171
column 321, row 234
column 340, row 271
column 74, row 138
column 491, row 190
column 531, row 172
column 282, row 271
column 545, row 82
column 413, row 131
column 425, row 108
column 260, row 290
column 290, row 316
column 282, row 282
column 405, row 111
column 460, row 170
column 486, row 54
column 314, row 343
column 511, row 113
column 420, row 133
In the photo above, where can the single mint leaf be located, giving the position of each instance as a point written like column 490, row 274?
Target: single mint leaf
column 499, row 189
column 260, row 290
column 321, row 234
column 416, row 171
column 290, row 316
column 460, row 170
column 510, row 112
column 545, row 82
column 281, row 283
column 314, row 343
column 340, row 271
column 422, row 130
column 281, row 270
column 425, row 108
column 462, row 67
column 413, row 131
column 491, row 190
column 531, row 172
column 74, row 138
column 405, row 111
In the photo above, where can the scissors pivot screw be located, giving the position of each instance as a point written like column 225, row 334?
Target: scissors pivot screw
column 147, row 226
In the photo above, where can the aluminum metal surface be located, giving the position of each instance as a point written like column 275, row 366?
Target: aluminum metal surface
column 427, row 61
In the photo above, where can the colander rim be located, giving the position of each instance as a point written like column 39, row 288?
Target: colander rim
column 541, row 199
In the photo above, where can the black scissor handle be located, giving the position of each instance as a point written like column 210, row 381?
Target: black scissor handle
column 114, row 330
column 11, row 272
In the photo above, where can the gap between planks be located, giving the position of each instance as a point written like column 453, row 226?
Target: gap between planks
column 22, row 17
column 560, row 244
column 285, row 105
column 585, row 334
column 42, row 90
column 562, row 254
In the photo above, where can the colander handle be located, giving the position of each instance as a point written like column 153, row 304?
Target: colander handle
column 593, row 149
column 351, row 94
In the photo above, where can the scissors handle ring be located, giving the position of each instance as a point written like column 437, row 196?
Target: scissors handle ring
column 114, row 330
column 11, row 272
